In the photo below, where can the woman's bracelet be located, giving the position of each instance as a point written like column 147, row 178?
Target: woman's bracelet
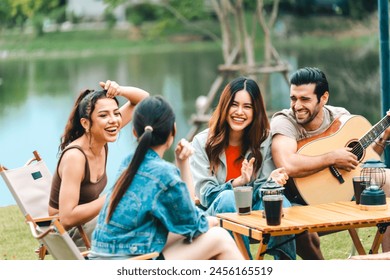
column 380, row 144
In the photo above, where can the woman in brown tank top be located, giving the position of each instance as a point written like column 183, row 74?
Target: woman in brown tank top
column 80, row 176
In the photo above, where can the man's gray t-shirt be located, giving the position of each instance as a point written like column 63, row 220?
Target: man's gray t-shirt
column 284, row 122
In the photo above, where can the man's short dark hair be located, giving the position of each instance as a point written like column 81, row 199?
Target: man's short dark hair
column 311, row 75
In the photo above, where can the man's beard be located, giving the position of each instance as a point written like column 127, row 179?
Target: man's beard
column 308, row 119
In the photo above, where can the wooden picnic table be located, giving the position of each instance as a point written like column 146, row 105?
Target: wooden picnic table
column 327, row 217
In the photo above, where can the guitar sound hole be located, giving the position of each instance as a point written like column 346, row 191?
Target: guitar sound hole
column 357, row 149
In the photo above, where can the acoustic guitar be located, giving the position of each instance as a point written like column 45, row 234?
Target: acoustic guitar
column 331, row 184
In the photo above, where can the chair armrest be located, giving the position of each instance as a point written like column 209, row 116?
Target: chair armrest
column 44, row 221
column 36, row 234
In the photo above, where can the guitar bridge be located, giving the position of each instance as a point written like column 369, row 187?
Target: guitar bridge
column 337, row 174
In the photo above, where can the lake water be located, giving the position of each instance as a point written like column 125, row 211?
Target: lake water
column 36, row 95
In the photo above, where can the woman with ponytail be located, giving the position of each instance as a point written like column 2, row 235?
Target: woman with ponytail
column 151, row 208
column 80, row 176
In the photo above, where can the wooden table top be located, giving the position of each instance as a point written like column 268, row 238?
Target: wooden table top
column 321, row 217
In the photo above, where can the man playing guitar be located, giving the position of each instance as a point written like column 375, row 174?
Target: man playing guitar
column 310, row 118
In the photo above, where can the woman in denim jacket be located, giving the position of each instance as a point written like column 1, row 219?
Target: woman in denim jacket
column 236, row 151
column 150, row 208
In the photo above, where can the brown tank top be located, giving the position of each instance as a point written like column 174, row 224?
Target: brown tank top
column 88, row 191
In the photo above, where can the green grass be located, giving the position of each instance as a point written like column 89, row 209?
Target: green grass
column 338, row 245
column 88, row 43
column 16, row 242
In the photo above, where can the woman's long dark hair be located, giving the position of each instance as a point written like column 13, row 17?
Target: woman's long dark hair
column 254, row 134
column 83, row 108
column 153, row 121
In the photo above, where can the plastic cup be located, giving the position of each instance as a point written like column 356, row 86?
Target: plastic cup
column 243, row 198
column 273, row 205
column 359, row 184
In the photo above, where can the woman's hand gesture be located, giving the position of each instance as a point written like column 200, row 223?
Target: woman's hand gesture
column 279, row 176
column 183, row 150
column 112, row 88
column 246, row 173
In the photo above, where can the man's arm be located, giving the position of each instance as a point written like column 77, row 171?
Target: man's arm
column 284, row 153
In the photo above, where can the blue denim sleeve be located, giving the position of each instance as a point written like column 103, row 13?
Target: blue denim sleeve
column 175, row 209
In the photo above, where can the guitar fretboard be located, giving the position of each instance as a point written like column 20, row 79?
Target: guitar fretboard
column 376, row 130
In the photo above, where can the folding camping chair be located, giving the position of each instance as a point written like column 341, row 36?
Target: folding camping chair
column 30, row 186
column 62, row 247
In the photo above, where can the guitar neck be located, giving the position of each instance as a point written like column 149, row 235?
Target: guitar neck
column 375, row 131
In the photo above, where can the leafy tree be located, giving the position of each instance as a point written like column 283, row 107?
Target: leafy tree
column 168, row 12
column 191, row 10
column 358, row 9
column 4, row 15
column 16, row 13
column 142, row 12
column 11, row 15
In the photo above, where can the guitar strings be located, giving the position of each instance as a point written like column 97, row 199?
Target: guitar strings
column 378, row 128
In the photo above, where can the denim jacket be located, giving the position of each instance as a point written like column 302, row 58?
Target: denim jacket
column 156, row 203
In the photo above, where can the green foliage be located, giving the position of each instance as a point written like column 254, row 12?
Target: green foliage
column 16, row 13
column 37, row 22
column 358, row 9
column 5, row 17
column 58, row 14
column 140, row 13
column 73, row 18
column 155, row 30
column 110, row 18
column 355, row 9
column 191, row 10
column 115, row 3
column 164, row 15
